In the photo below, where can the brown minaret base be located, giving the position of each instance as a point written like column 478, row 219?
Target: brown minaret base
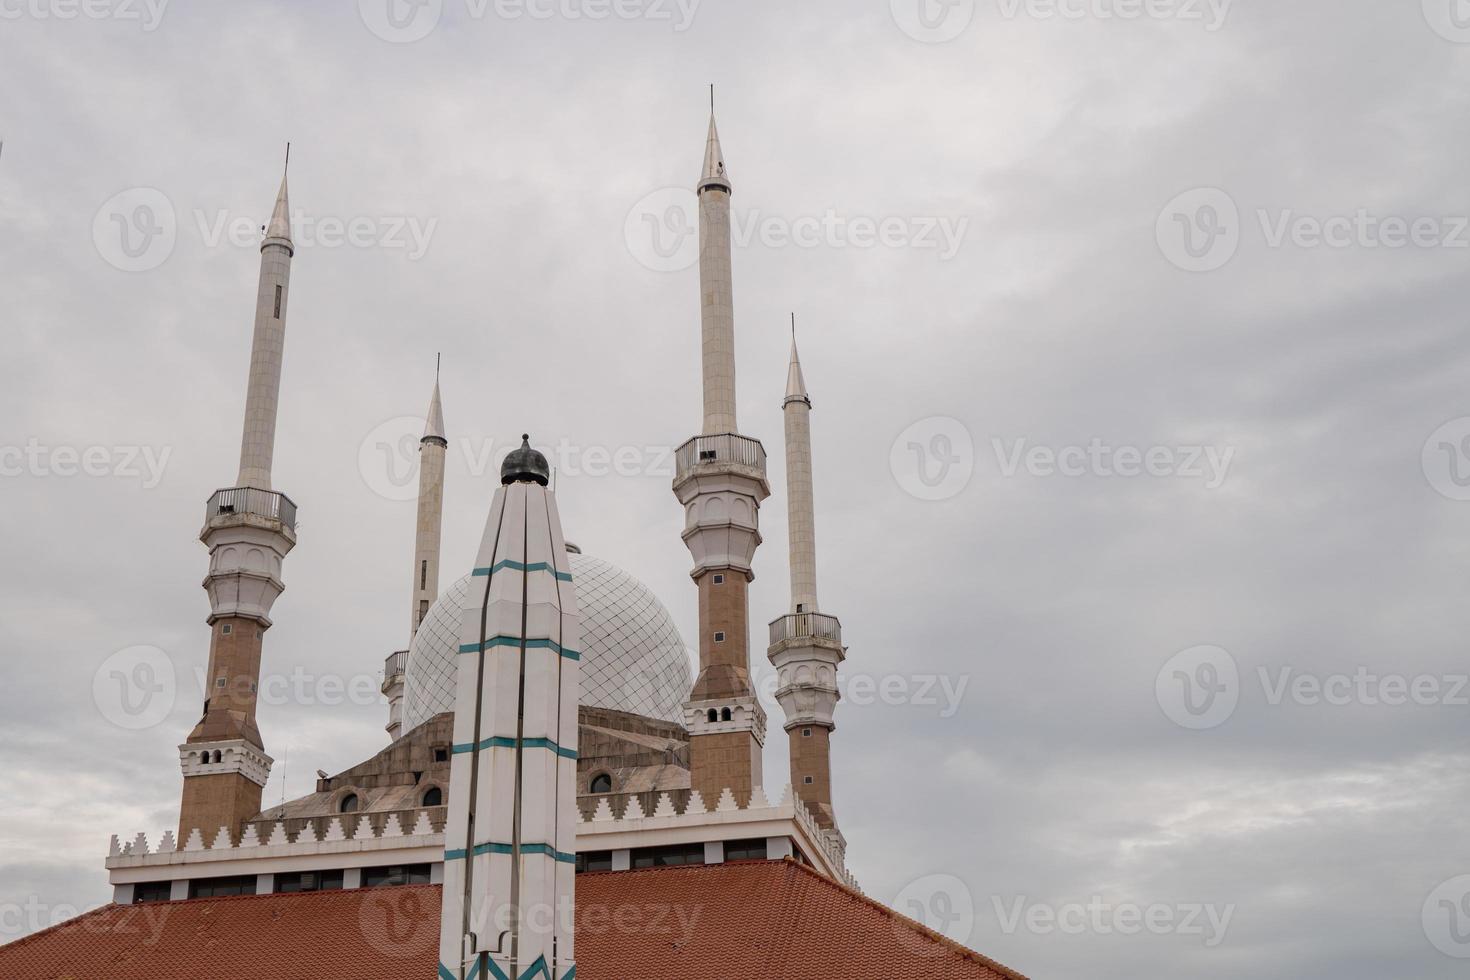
column 811, row 771
column 724, row 751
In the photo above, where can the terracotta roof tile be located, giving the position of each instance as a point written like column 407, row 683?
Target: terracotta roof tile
column 773, row 920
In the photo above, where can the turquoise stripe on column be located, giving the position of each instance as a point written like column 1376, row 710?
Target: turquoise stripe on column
column 533, row 643
column 515, row 566
column 506, row 742
column 495, row 847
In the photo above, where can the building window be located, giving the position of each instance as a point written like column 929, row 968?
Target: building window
column 424, row 574
column 719, row 579
column 434, row 797
column 409, row 874
column 594, row 861
column 725, row 714
column 806, row 733
column 349, row 804
column 746, row 850
column 309, row 881
column 719, row 636
column 668, row 857
column 713, row 715
column 423, row 609
column 808, row 780
column 601, row 783
column 801, row 607
column 222, row 887
column 152, row 891
column 227, row 629
column 441, row 755
column 278, row 301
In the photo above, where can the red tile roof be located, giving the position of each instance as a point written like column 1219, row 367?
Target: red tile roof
column 772, row 920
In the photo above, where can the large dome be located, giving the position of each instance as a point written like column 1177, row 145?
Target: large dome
column 633, row 658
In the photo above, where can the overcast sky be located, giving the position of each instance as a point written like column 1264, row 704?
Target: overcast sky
column 1134, row 334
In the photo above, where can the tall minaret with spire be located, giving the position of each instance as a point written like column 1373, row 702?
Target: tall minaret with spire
column 432, row 449
column 806, row 645
column 249, row 529
column 720, row 478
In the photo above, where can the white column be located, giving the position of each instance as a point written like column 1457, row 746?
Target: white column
column 430, row 523
column 257, row 444
column 801, row 521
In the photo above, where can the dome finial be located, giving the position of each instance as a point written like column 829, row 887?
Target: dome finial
column 525, row 465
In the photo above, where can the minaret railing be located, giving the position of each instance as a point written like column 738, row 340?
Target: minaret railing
column 251, row 500
column 794, row 625
column 719, row 449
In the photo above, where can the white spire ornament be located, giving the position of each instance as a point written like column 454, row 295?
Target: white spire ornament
column 510, row 839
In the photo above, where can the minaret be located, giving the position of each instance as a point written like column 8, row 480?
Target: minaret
column 806, row 646
column 510, row 837
column 249, row 529
column 720, row 478
column 432, row 449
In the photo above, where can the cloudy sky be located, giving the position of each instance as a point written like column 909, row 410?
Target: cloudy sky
column 1135, row 337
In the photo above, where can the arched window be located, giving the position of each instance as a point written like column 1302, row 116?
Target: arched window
column 217, row 755
column 601, row 783
column 725, row 715
column 349, row 804
column 434, row 797
column 713, row 715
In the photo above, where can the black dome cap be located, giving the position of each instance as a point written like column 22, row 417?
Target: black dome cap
column 525, row 465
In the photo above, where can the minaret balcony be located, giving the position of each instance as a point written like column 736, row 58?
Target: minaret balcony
column 244, row 502
column 393, row 666
column 718, row 452
column 805, row 626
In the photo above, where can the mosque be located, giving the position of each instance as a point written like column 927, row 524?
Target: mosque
column 559, row 791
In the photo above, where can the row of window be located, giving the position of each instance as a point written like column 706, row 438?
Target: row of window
column 673, row 855
column 298, row 881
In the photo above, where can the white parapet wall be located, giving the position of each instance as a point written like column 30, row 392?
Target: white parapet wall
column 135, row 861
